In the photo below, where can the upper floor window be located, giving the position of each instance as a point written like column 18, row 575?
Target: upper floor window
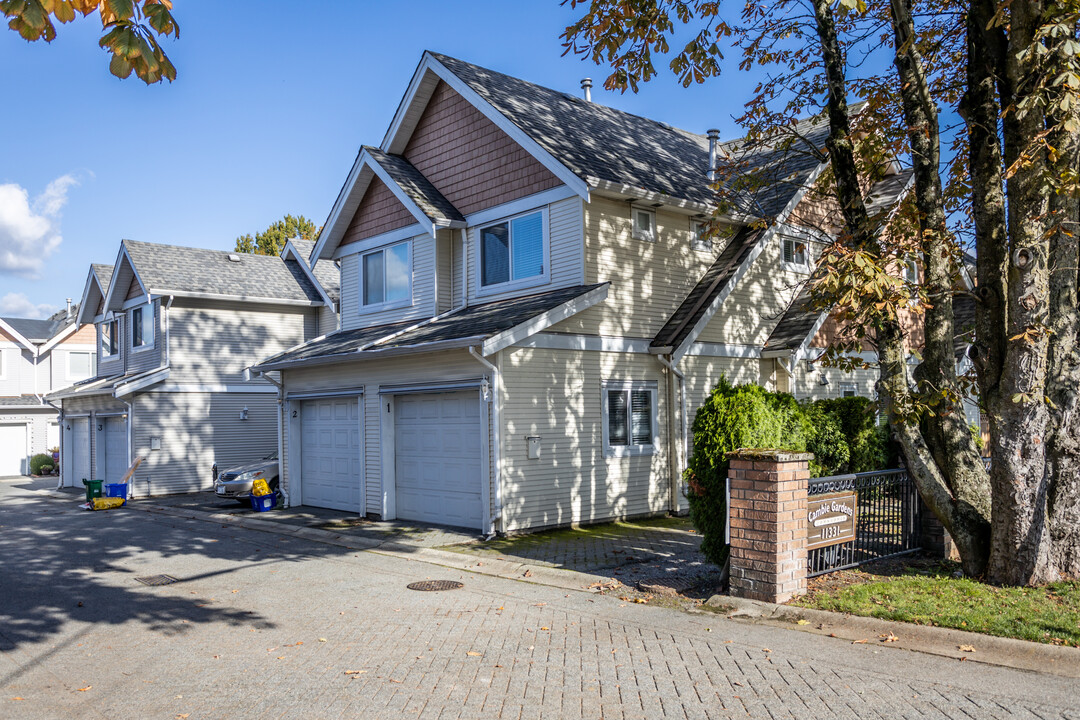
column 911, row 270
column 386, row 276
column 848, row 389
column 796, row 254
column 142, row 326
column 110, row 338
column 513, row 250
column 78, row 365
column 629, row 415
column 701, row 241
column 644, row 224
column 2, row 364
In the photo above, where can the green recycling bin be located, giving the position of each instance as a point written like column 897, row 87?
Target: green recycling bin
column 93, row 489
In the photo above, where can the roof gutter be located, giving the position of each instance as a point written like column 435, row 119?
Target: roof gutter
column 351, row 355
column 639, row 193
column 236, row 298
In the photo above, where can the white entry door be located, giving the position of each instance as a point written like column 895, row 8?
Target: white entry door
column 12, row 449
column 80, row 435
column 330, row 453
column 116, row 451
column 438, row 458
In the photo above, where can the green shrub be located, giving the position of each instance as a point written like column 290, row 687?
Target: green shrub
column 38, row 462
column 867, row 440
column 826, row 439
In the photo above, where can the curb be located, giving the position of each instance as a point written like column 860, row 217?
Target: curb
column 946, row 642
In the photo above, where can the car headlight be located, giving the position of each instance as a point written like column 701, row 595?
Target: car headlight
column 249, row 476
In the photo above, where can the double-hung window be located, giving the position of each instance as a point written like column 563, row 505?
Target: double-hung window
column 110, row 334
column 78, row 366
column 701, row 242
column 514, row 250
column 796, row 254
column 142, row 326
column 644, row 224
column 386, row 277
column 629, row 417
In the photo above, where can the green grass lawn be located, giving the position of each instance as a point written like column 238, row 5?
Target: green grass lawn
column 928, row 594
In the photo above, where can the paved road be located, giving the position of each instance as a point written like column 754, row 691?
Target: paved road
column 265, row 626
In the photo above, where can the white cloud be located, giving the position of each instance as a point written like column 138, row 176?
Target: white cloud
column 18, row 305
column 30, row 231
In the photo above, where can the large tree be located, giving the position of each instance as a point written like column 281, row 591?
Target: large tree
column 1011, row 70
column 271, row 241
column 130, row 30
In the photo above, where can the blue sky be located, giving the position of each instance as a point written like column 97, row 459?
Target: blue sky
column 271, row 103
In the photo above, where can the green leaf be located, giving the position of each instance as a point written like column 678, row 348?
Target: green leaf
column 120, row 67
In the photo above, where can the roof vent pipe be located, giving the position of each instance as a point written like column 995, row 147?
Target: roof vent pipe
column 586, row 87
column 714, row 138
column 69, row 308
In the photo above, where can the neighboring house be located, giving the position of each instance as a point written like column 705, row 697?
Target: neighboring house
column 36, row 357
column 176, row 327
column 529, row 318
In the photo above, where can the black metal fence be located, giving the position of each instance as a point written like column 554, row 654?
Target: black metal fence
column 887, row 519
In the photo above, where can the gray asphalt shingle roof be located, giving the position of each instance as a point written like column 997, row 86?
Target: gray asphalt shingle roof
column 39, row 331
column 21, row 401
column 171, row 268
column 327, row 272
column 592, row 140
column 415, row 185
column 474, row 321
column 104, row 275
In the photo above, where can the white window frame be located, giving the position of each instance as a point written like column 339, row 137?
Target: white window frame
column 794, row 238
column 379, row 307
column 542, row 279
column 699, row 243
column 647, row 235
column 89, row 366
column 845, row 387
column 3, row 364
column 153, row 328
column 911, row 267
column 116, row 339
column 608, row 386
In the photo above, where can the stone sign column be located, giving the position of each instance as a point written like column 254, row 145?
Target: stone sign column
column 768, row 523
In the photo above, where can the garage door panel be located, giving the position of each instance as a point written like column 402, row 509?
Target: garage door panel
column 80, row 437
column 12, row 449
column 115, row 448
column 330, row 455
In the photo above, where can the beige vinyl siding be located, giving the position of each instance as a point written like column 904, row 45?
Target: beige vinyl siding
column 758, row 300
column 808, row 385
column 369, row 376
column 197, row 430
column 17, row 371
column 556, row 395
column 649, row 280
column 565, row 249
column 150, row 358
column 327, row 321
column 444, row 270
column 423, row 289
column 213, row 343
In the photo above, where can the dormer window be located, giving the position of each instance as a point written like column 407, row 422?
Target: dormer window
column 142, row 327
column 110, row 338
column 796, row 254
column 644, row 224
column 514, row 251
column 386, row 277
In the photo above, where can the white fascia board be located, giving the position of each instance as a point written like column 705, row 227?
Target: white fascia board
column 190, row 388
column 18, row 336
column 545, row 320
column 420, row 88
column 724, row 350
column 234, row 298
column 98, row 387
column 596, row 343
column 123, row 257
column 59, row 337
column 85, row 315
column 138, row 382
column 376, row 241
column 516, row 207
column 621, row 191
column 430, row 64
column 804, row 347
column 348, row 200
column 782, row 353
column 403, row 198
column 290, row 249
column 762, row 242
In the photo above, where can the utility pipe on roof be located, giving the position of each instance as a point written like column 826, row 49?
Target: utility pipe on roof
column 496, row 381
column 674, row 442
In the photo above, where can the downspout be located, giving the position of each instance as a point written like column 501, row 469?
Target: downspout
column 496, row 381
column 464, row 268
column 281, row 430
column 131, row 450
column 165, row 320
column 675, row 442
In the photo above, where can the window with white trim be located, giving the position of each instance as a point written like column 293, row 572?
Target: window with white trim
column 701, row 242
column 514, row 250
column 796, row 254
column 644, row 224
column 386, row 277
column 848, row 389
column 911, row 270
column 110, row 338
column 78, row 366
column 629, row 418
column 2, row 363
column 142, row 327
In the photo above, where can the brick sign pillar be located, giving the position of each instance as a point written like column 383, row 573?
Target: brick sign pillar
column 768, row 524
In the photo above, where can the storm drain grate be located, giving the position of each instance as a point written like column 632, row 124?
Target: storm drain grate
column 435, row 585
column 157, row 580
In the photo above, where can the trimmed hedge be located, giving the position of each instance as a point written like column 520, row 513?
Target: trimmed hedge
column 843, row 434
column 38, row 463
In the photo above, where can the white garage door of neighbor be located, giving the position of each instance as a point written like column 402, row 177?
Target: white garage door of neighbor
column 80, row 438
column 330, row 453
column 116, row 463
column 52, row 435
column 12, row 449
column 437, row 457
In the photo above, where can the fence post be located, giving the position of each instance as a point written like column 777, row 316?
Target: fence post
column 768, row 523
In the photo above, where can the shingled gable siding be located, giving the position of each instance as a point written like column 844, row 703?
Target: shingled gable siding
column 353, row 314
column 379, row 211
column 649, row 280
column 556, row 395
column 473, row 163
column 565, row 220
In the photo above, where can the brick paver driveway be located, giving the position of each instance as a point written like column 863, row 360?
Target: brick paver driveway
column 266, row 626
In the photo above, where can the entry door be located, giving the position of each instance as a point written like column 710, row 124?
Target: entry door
column 330, row 453
column 12, row 449
column 438, row 458
column 80, row 432
column 116, row 459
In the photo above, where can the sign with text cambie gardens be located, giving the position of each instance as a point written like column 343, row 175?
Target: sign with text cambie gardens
column 830, row 519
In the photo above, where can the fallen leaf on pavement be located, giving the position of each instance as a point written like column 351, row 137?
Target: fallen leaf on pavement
column 528, row 573
column 355, row 672
column 640, row 600
column 85, row 688
column 183, row 715
column 859, row 642
column 16, row 698
column 322, row 639
column 544, row 628
column 765, row 650
column 888, row 638
column 966, row 648
column 281, row 657
column 802, row 622
column 474, row 654
column 535, row 605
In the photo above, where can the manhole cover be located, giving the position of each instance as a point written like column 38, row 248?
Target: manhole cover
column 435, row 585
column 157, row 580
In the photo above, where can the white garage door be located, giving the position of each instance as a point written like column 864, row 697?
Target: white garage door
column 80, row 435
column 330, row 453
column 437, row 457
column 116, row 463
column 12, row 449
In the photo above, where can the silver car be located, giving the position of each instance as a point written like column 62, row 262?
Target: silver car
column 236, row 482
